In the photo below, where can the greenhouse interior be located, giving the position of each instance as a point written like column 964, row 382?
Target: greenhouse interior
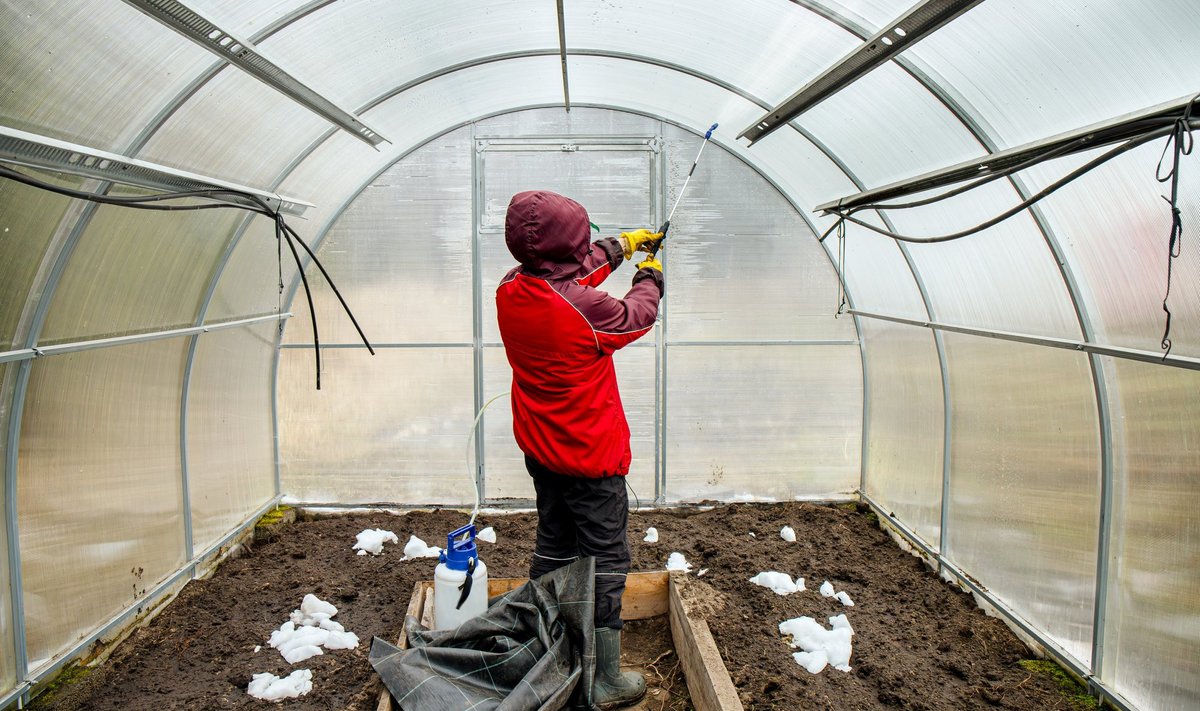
column 931, row 277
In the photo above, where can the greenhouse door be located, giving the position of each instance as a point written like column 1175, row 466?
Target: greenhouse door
column 619, row 181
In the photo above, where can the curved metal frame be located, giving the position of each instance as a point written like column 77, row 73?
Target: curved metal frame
column 957, row 107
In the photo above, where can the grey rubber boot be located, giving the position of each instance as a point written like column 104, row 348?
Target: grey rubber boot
column 614, row 688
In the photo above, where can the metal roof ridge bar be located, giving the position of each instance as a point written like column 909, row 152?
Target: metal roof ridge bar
column 919, row 22
column 244, row 55
column 562, row 53
column 1144, row 356
column 73, row 347
column 37, row 151
column 1088, row 137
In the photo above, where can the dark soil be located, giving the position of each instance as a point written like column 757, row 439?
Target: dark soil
column 918, row 642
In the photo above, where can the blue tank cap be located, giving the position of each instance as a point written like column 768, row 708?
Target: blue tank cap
column 458, row 554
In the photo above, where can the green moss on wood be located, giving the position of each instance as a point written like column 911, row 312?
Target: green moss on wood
column 67, row 676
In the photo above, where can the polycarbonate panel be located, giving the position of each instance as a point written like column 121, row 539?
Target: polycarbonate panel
column 1025, row 481
column 1152, row 626
column 730, row 438
column 580, row 121
column 137, row 270
column 385, row 428
column 919, row 133
column 230, row 437
column 612, row 182
column 213, row 133
column 740, row 263
column 769, row 36
column 1035, row 69
column 354, row 52
column 249, row 283
column 905, row 425
column 89, row 73
column 401, row 254
column 1118, row 247
column 8, row 669
column 28, row 221
column 1004, row 278
column 504, row 462
column 99, row 488
column 245, row 19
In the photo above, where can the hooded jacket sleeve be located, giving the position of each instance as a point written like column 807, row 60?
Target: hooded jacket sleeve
column 619, row 322
column 603, row 259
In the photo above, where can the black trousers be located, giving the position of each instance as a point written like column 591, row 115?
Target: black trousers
column 578, row 516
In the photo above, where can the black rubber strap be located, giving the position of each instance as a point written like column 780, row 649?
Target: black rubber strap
column 466, row 585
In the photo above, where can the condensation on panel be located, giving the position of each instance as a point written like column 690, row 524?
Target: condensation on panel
column 99, row 91
column 1003, row 278
column 385, row 428
column 1118, row 247
column 230, row 438
column 904, row 424
column 137, row 270
column 1151, row 626
column 506, row 476
column 101, row 520
column 740, row 264
column 611, row 182
column 1036, row 69
column 401, row 254
column 29, row 221
column 1025, row 481
column 732, row 439
column 215, row 135
column 8, row 669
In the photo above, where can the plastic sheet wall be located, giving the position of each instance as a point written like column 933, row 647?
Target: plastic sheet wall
column 751, row 296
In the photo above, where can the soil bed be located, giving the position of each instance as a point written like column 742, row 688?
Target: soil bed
column 918, row 642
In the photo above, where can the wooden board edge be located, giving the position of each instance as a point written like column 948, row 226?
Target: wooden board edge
column 414, row 608
column 645, row 593
column 707, row 678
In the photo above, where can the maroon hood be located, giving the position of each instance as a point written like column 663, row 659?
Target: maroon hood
column 548, row 234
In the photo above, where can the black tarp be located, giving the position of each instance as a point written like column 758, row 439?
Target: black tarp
column 532, row 649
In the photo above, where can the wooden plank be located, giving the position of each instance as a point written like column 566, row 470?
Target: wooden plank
column 645, row 593
column 707, row 678
column 415, row 604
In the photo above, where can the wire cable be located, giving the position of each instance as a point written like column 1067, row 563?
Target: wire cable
column 470, row 438
column 1179, row 144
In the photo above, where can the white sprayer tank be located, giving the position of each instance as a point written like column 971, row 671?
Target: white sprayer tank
column 460, row 581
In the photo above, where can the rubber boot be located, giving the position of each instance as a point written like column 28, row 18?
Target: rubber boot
column 614, row 688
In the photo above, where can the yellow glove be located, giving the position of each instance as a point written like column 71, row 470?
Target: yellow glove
column 638, row 239
column 651, row 262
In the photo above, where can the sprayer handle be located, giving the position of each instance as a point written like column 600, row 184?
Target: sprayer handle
column 654, row 246
column 708, row 135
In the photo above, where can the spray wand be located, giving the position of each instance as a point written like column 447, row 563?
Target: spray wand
column 667, row 225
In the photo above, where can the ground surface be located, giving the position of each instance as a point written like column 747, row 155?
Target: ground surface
column 918, row 643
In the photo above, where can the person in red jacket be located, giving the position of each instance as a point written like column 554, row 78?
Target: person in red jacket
column 559, row 333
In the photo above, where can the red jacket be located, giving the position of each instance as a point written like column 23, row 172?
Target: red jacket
column 560, row 333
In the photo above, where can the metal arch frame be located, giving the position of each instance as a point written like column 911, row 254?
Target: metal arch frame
column 956, row 107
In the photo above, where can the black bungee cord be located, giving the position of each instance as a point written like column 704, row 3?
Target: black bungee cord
column 1179, row 144
column 283, row 233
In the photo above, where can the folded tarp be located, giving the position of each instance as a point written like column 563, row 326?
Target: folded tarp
column 532, row 649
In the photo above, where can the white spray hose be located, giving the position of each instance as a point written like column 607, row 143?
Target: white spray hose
column 471, row 438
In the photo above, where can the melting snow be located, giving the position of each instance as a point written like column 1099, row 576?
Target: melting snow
column 821, row 646
column 788, row 534
column 651, row 535
column 372, row 540
column 843, row 598
column 827, row 589
column 271, row 688
column 676, row 561
column 781, row 583
column 309, row 629
column 416, row 548
column 488, row 534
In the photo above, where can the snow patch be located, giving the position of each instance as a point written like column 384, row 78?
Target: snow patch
column 827, row 589
column 416, row 548
column 820, row 646
column 372, row 540
column 271, row 688
column 781, row 583
column 651, row 535
column 309, row 629
column 843, row 598
column 488, row 534
column 788, row 534
column 676, row 561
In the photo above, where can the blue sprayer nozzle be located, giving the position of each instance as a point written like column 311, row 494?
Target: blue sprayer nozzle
column 710, row 131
